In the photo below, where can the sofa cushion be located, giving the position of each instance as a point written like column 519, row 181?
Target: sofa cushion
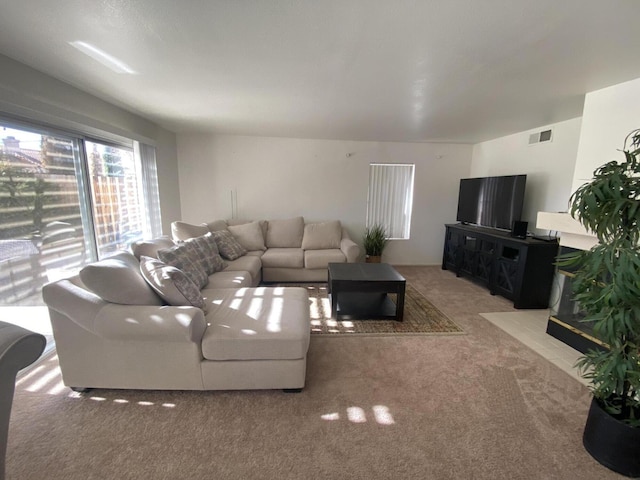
column 171, row 283
column 216, row 225
column 228, row 245
column 248, row 263
column 117, row 279
column 149, row 248
column 249, row 235
column 285, row 233
column 257, row 324
column 187, row 258
column 322, row 258
column 209, row 257
column 322, row 236
column 181, row 231
column 283, row 257
column 237, row 221
column 232, row 222
column 229, row 279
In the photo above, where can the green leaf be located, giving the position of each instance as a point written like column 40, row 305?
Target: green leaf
column 607, row 279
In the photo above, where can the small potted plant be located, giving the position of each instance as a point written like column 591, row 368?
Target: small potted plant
column 375, row 241
column 607, row 287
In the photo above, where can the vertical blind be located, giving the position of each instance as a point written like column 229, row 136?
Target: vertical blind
column 390, row 198
column 151, row 194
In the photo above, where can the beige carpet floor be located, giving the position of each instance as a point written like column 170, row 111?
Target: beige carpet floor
column 475, row 406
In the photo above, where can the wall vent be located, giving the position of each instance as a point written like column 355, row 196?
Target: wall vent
column 544, row 136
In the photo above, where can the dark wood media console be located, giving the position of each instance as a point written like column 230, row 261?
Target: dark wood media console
column 521, row 270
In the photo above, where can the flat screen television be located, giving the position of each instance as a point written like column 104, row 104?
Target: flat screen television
column 491, row 201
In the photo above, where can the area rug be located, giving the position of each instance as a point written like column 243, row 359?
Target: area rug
column 420, row 317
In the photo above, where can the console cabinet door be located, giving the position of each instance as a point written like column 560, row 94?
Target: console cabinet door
column 508, row 270
column 485, row 260
column 469, row 254
column 452, row 250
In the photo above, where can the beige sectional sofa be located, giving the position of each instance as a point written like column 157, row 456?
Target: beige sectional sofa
column 180, row 316
column 287, row 250
column 239, row 343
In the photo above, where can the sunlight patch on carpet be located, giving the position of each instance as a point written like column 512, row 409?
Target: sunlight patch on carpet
column 421, row 317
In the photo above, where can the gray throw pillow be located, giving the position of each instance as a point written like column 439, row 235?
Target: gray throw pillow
column 209, row 255
column 186, row 257
column 117, row 279
column 228, row 245
column 171, row 283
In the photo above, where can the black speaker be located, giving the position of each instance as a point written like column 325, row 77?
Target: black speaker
column 519, row 229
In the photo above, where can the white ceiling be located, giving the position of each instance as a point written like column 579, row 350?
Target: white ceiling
column 387, row 70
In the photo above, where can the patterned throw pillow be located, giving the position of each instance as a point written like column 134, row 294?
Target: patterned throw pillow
column 171, row 284
column 209, row 255
column 186, row 257
column 228, row 245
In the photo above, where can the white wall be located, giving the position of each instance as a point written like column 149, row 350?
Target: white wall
column 30, row 95
column 549, row 166
column 284, row 177
column 609, row 115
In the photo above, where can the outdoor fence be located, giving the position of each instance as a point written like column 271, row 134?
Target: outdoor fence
column 42, row 236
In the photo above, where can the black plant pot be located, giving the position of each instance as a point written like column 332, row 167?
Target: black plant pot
column 614, row 444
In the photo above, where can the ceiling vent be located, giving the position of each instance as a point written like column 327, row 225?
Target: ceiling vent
column 544, row 136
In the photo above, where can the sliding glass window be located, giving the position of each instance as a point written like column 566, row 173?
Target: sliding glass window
column 66, row 201
column 116, row 194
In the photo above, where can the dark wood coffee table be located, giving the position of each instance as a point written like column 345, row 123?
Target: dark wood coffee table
column 359, row 291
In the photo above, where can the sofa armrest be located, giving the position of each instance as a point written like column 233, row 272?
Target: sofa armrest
column 150, row 323
column 349, row 248
column 73, row 301
column 123, row 322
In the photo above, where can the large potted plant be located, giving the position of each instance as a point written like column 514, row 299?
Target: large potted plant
column 375, row 240
column 607, row 287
